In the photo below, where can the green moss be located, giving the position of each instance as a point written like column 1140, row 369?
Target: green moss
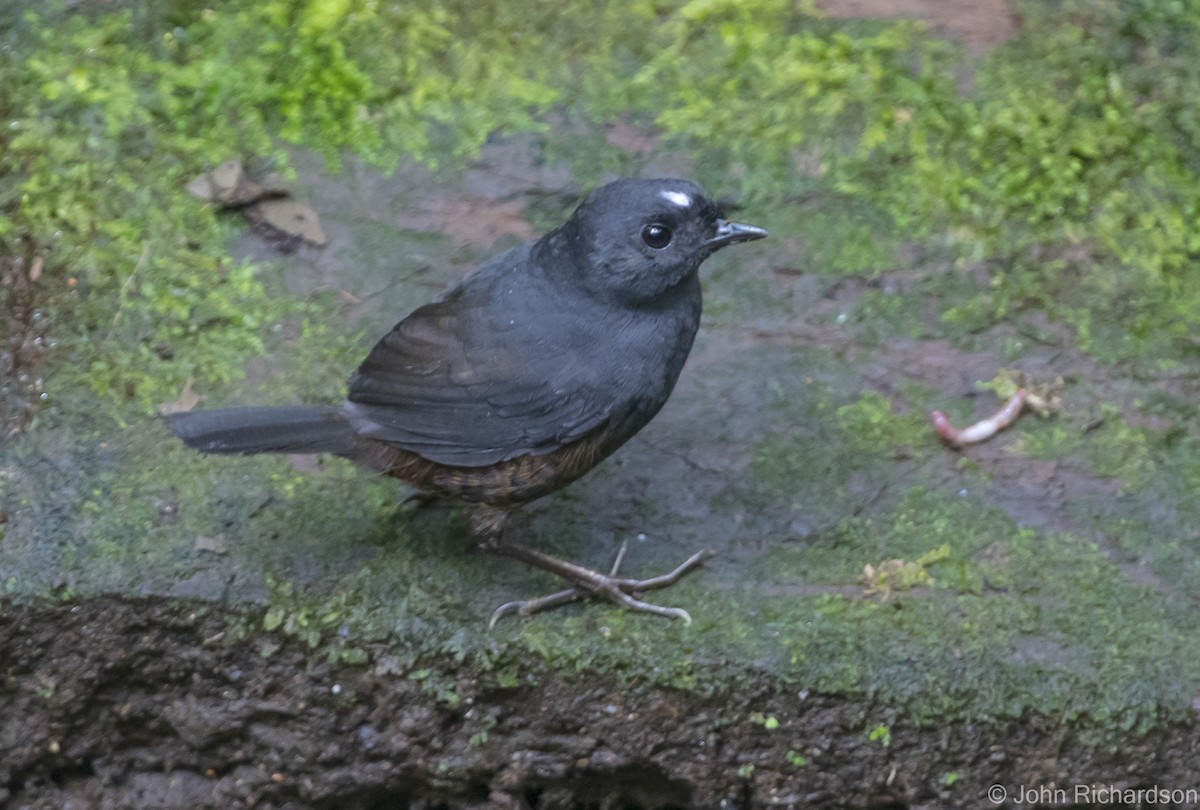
column 1075, row 610
column 1155, row 526
column 1069, row 172
column 732, row 297
column 109, row 114
column 1011, row 620
column 1066, row 172
column 1109, row 447
column 880, row 316
column 871, row 423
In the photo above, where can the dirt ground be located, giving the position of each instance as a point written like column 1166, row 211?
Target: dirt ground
column 121, row 703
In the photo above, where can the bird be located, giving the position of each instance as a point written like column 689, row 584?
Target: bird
column 523, row 376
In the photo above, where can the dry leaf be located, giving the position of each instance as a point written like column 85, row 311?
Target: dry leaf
column 229, row 185
column 219, row 184
column 901, row 575
column 1044, row 398
column 202, row 187
column 289, row 218
column 187, row 400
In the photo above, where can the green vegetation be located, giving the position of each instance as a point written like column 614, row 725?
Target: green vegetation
column 1075, row 180
column 795, row 760
column 881, row 734
column 110, row 113
column 1076, row 183
column 871, row 424
column 1109, row 447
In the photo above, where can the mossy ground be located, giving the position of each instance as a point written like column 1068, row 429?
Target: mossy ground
column 1051, row 573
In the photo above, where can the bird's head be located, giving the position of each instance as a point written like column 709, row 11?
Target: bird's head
column 641, row 238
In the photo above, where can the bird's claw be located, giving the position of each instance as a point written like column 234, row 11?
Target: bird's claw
column 527, row 607
column 623, row 591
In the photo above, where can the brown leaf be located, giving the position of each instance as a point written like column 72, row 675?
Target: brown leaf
column 202, row 187
column 227, row 176
column 229, row 185
column 187, row 400
column 289, row 218
column 219, row 184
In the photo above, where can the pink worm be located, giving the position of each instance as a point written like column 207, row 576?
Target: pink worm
column 983, row 429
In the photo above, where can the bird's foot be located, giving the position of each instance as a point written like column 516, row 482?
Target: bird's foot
column 586, row 583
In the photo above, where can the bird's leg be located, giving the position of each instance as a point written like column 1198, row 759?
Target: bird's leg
column 622, row 590
column 422, row 500
column 585, row 582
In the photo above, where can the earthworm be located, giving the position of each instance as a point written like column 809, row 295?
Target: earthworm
column 983, row 429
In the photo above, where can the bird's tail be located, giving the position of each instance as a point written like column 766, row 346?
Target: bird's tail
column 265, row 430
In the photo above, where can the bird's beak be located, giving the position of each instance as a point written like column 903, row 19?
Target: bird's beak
column 730, row 233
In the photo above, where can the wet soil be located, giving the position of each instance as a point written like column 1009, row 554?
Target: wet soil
column 154, row 703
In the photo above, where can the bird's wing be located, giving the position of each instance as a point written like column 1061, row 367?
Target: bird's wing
column 458, row 385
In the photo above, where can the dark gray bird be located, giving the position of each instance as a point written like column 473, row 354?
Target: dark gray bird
column 524, row 375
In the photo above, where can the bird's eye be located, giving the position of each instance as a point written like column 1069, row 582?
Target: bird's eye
column 656, row 235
